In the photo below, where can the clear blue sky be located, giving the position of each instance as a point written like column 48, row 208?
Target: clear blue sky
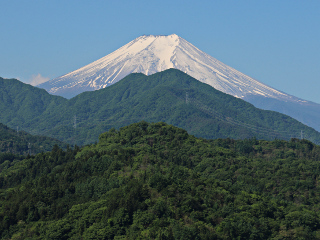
column 275, row 41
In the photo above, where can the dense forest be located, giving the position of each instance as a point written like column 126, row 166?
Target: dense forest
column 170, row 96
column 17, row 142
column 156, row 181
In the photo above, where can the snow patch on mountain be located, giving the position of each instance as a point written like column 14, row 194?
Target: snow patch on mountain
column 149, row 54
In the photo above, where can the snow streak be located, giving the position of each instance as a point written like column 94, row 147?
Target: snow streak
column 150, row 54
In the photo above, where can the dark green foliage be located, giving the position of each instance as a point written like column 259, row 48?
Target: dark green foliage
column 155, row 181
column 206, row 113
column 22, row 143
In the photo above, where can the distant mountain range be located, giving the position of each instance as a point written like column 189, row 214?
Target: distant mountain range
column 149, row 54
column 170, row 96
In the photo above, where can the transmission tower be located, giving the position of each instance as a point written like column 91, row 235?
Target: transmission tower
column 75, row 127
column 29, row 149
column 187, row 99
column 301, row 134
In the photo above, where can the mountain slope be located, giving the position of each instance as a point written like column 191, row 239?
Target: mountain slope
column 22, row 143
column 150, row 54
column 170, row 96
column 155, row 181
column 22, row 103
column 306, row 112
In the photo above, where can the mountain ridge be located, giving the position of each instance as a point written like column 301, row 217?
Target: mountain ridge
column 149, row 54
column 170, row 96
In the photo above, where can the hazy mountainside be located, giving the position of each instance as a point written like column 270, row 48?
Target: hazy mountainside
column 170, row 96
column 22, row 143
column 155, row 181
column 149, row 54
column 307, row 112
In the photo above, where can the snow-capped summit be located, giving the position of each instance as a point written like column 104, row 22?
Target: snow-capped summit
column 149, row 54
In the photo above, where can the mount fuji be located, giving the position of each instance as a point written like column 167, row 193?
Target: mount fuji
column 150, row 54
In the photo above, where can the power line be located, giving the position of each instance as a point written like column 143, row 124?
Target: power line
column 255, row 128
column 86, row 121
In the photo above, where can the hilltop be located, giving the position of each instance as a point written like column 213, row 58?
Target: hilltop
column 170, row 96
column 149, row 181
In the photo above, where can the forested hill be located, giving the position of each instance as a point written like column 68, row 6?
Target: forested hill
column 155, row 181
column 22, row 104
column 22, row 143
column 170, row 96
